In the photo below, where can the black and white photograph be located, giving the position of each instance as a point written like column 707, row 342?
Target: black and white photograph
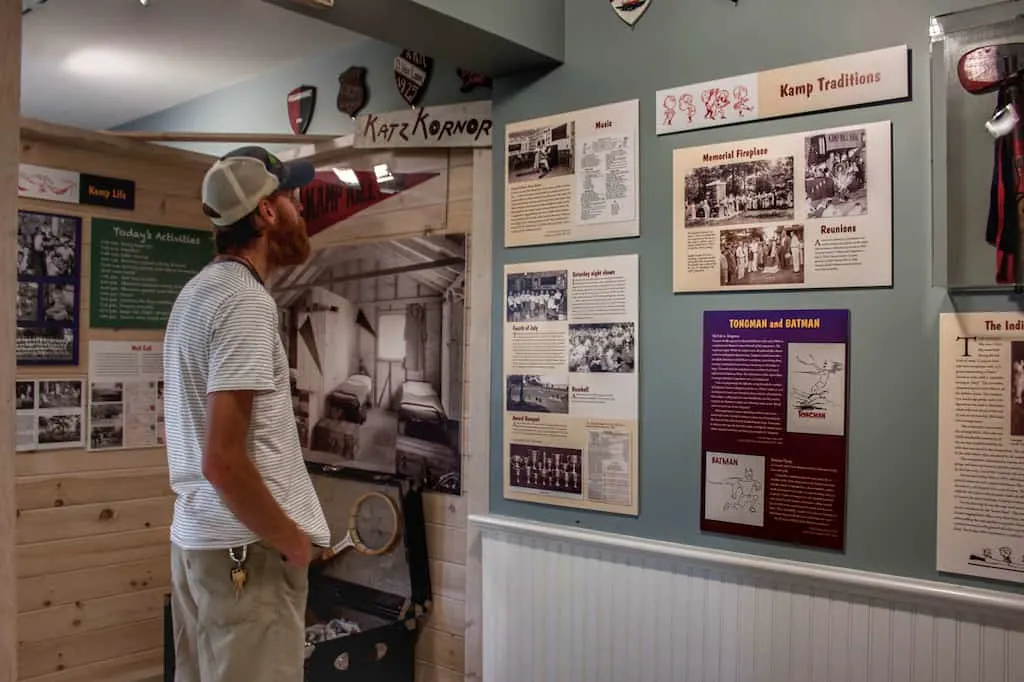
column 762, row 256
column 546, row 468
column 376, row 359
column 46, row 345
column 54, row 395
column 106, row 412
column 736, row 193
column 48, row 244
column 537, row 297
column 28, row 301
column 58, row 302
column 1016, row 388
column 24, row 395
column 542, row 153
column 537, row 393
column 60, row 429
column 107, row 392
column 48, row 277
column 106, row 436
column 835, row 177
column 602, row 347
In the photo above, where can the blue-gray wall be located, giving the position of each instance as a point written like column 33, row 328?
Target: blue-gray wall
column 259, row 105
column 891, row 504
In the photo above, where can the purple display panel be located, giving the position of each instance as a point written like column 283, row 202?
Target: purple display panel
column 773, row 427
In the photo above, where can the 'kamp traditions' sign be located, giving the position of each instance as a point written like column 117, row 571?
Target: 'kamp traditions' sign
column 455, row 125
column 847, row 81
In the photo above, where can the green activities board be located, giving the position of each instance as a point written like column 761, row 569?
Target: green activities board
column 137, row 271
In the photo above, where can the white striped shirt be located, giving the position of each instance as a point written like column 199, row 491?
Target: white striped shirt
column 222, row 335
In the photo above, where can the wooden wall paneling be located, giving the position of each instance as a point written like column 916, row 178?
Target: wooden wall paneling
column 10, row 92
column 92, row 555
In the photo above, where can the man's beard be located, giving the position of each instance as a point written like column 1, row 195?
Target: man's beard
column 289, row 245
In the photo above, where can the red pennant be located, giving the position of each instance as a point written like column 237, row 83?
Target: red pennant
column 328, row 200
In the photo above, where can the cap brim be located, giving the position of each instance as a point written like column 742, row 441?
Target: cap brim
column 296, row 174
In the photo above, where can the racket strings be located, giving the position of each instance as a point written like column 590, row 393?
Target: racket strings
column 374, row 524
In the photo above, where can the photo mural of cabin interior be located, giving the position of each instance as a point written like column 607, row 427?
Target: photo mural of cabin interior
column 374, row 333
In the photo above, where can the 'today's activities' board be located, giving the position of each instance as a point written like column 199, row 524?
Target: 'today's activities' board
column 138, row 270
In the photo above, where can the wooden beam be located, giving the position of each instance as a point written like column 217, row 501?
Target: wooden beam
column 241, row 138
column 376, row 273
column 36, row 130
column 10, row 118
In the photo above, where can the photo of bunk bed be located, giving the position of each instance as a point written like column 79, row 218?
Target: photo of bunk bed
column 420, row 408
column 350, row 399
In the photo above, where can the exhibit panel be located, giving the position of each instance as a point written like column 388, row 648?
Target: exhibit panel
column 376, row 329
column 799, row 450
column 92, row 554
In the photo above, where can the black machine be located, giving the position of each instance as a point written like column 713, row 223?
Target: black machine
column 369, row 594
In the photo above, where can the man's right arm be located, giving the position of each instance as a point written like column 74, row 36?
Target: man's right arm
column 242, row 367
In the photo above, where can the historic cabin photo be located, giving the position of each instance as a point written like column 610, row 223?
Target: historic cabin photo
column 374, row 334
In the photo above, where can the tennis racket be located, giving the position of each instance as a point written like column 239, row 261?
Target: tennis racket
column 373, row 528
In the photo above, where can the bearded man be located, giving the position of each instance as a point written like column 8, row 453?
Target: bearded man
column 246, row 517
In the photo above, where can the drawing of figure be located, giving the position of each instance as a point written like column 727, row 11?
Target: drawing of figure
column 669, row 107
column 746, row 492
column 716, row 101
column 1007, row 554
column 741, row 99
column 817, row 396
column 686, row 104
column 1018, row 382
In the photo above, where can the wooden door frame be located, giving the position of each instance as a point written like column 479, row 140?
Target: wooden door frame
column 10, row 127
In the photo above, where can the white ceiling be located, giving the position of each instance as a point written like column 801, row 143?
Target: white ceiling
column 172, row 50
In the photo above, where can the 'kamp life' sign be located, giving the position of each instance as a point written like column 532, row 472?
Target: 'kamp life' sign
column 455, row 125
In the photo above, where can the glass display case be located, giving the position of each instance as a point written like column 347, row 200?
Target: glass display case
column 973, row 60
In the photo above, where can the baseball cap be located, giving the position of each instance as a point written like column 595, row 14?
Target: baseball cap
column 239, row 180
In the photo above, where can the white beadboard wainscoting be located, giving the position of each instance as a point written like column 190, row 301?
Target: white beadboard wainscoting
column 568, row 605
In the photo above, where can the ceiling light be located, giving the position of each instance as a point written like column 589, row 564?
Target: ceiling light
column 100, row 62
column 347, row 176
column 383, row 173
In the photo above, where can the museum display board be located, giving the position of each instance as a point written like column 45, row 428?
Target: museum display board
column 845, row 231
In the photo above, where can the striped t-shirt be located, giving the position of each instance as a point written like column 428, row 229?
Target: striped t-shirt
column 222, row 335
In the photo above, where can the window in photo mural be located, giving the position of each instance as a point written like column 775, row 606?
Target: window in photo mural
column 376, row 357
column 49, row 277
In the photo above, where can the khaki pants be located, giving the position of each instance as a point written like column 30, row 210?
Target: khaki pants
column 256, row 637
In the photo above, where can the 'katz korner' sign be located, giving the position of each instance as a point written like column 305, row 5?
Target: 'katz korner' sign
column 455, row 125
column 852, row 80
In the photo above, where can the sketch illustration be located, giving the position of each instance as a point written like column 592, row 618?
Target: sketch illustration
column 816, row 390
column 746, row 492
column 818, row 395
column 1004, row 562
column 734, row 488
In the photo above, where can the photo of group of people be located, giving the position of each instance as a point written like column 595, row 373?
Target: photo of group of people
column 540, row 153
column 835, row 174
column 602, row 347
column 537, row 297
column 736, row 193
column 757, row 256
column 541, row 467
column 47, row 293
column 49, row 414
